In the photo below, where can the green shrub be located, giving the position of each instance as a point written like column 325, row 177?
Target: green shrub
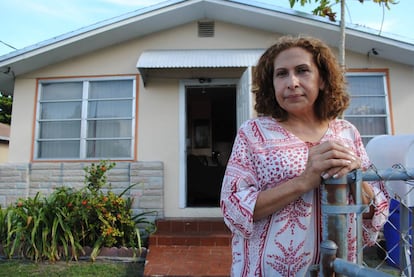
column 62, row 224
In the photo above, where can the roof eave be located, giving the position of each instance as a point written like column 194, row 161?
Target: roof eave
column 174, row 13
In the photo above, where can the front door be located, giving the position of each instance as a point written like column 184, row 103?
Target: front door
column 210, row 130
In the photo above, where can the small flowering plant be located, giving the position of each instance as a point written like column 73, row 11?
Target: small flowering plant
column 95, row 178
column 68, row 220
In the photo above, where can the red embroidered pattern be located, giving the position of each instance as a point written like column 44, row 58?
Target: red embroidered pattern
column 292, row 215
column 290, row 263
column 285, row 244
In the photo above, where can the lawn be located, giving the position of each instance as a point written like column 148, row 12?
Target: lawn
column 99, row 268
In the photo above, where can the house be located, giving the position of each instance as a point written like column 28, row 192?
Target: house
column 162, row 91
column 4, row 142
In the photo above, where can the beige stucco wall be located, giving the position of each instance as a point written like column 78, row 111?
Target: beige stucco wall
column 4, row 152
column 402, row 98
column 158, row 105
column 21, row 127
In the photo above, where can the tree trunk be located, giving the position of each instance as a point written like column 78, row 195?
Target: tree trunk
column 341, row 46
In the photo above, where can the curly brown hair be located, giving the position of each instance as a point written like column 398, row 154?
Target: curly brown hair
column 331, row 101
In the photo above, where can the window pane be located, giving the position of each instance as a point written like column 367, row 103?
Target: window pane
column 366, row 106
column 62, row 91
column 60, row 129
column 60, row 110
column 105, row 109
column 72, row 115
column 109, row 128
column 58, row 149
column 369, row 126
column 366, row 85
column 110, row 89
column 109, row 149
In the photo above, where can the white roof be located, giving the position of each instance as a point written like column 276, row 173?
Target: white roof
column 174, row 13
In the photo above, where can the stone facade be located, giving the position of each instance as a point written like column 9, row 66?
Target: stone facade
column 26, row 180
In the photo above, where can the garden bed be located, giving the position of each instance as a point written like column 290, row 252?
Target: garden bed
column 56, row 227
column 105, row 253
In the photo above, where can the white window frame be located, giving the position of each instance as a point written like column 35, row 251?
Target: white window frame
column 84, row 117
column 387, row 115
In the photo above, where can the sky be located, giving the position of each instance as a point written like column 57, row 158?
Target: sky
column 27, row 22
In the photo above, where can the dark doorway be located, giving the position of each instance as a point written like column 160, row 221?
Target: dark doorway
column 211, row 128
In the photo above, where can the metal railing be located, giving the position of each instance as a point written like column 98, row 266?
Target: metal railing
column 331, row 264
column 335, row 212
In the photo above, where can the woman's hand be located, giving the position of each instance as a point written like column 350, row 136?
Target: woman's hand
column 330, row 159
column 336, row 160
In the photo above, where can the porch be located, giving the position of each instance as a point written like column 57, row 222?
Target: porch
column 189, row 247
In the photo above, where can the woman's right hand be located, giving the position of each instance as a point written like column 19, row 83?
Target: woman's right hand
column 330, row 159
column 325, row 160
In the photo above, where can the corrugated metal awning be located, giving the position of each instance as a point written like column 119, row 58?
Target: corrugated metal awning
column 188, row 59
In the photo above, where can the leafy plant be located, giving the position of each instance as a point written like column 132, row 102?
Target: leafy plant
column 61, row 225
column 3, row 213
column 96, row 176
column 6, row 102
column 324, row 7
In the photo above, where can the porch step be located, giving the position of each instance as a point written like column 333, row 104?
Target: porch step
column 197, row 232
column 189, row 247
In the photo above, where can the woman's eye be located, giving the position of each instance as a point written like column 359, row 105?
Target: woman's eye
column 280, row 74
column 302, row 70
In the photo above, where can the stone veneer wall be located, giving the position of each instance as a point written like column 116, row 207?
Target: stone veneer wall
column 25, row 180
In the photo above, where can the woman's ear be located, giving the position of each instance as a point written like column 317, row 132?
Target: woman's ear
column 321, row 84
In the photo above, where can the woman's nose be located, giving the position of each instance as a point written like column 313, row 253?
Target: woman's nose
column 293, row 81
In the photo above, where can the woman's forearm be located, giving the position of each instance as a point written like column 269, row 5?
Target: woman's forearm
column 274, row 199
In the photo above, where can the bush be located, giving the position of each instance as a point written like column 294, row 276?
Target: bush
column 61, row 225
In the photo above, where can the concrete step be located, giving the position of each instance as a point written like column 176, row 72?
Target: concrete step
column 189, row 247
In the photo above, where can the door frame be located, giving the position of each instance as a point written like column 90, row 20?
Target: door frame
column 182, row 117
column 182, row 132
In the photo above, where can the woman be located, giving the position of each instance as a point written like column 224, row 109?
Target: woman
column 270, row 195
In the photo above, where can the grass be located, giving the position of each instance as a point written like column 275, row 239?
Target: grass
column 18, row 268
column 111, row 268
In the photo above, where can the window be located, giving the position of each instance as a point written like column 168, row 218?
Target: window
column 86, row 119
column 368, row 109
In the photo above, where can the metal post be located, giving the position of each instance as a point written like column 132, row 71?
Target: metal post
column 404, row 243
column 334, row 199
column 412, row 232
column 328, row 255
column 359, row 219
column 356, row 270
column 388, row 174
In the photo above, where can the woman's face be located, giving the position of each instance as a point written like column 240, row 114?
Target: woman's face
column 296, row 81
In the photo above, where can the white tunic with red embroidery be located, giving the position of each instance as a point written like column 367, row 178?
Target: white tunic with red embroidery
column 286, row 243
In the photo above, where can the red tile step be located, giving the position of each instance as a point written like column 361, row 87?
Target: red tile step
column 203, row 231
column 189, row 247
